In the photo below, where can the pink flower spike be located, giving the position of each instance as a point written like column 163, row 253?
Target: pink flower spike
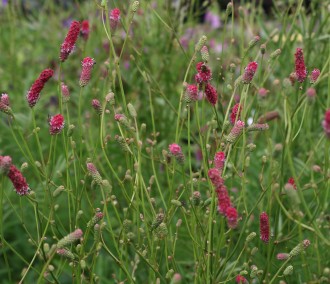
column 87, row 65
column 33, row 94
column 249, row 72
column 326, row 123
column 214, row 176
column 56, row 124
column 264, row 227
column 191, row 93
column 301, row 71
column 236, row 113
column 219, row 160
column 314, row 75
column 240, row 279
column 70, row 40
column 114, row 18
column 204, row 73
column 65, row 93
column 5, row 163
column 223, row 199
column 232, row 217
column 176, row 152
column 18, row 181
column 211, row 94
column 84, row 30
column 5, row 99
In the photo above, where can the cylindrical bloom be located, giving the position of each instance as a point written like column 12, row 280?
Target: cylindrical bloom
column 235, row 131
column 214, row 176
column 97, row 106
column 204, row 73
column 18, row 181
column 314, row 75
column 211, row 94
column 249, row 72
column 282, row 256
column 114, row 18
column 65, row 92
column 56, row 124
column 240, row 279
column 191, row 93
column 232, row 217
column 264, row 227
column 176, row 152
column 122, row 119
column 205, row 53
column 5, row 99
column 87, row 66
column 94, row 173
column 300, row 67
column 5, row 163
column 71, row 238
column 96, row 218
column 236, row 113
column 84, row 30
column 223, row 199
column 65, row 253
column 219, row 160
column 326, row 123
column 70, row 40
column 33, row 94
column 299, row 248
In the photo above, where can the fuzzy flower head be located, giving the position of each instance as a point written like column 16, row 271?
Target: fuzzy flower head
column 223, row 199
column 33, row 94
column 191, row 93
column 211, row 94
column 314, row 75
column 232, row 217
column 114, row 18
column 5, row 163
column 97, row 106
column 249, row 72
column 56, row 124
column 70, row 40
column 264, row 227
column 65, row 93
column 219, row 160
column 326, row 123
column 214, row 176
column 5, row 99
column 300, row 67
column 18, row 181
column 176, row 152
column 84, row 30
column 204, row 73
column 92, row 170
column 236, row 113
column 240, row 279
column 235, row 131
column 87, row 66
column 71, row 238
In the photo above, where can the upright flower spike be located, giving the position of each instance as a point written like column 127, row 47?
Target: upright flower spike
column 18, row 181
column 219, row 160
column 65, row 93
column 87, row 66
column 5, row 164
column 94, row 173
column 84, row 30
column 205, row 53
column 223, row 199
column 326, row 123
column 314, row 75
column 56, row 124
column 33, row 94
column 114, row 19
column 215, row 178
column 96, row 218
column 235, row 131
column 264, row 227
column 71, row 238
column 236, row 113
column 70, row 40
column 301, row 71
column 249, row 72
column 211, row 94
column 176, row 152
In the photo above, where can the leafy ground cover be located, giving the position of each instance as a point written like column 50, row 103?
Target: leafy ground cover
column 140, row 145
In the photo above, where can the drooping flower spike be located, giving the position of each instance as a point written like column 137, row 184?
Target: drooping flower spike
column 70, row 40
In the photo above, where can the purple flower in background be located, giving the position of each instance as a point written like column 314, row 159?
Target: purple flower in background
column 213, row 20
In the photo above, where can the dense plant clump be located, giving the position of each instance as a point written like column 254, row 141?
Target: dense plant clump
column 156, row 147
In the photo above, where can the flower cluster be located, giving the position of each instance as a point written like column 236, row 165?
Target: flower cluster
column 301, row 72
column 56, row 124
column 264, row 227
column 176, row 152
column 326, row 123
column 249, row 72
column 87, row 65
